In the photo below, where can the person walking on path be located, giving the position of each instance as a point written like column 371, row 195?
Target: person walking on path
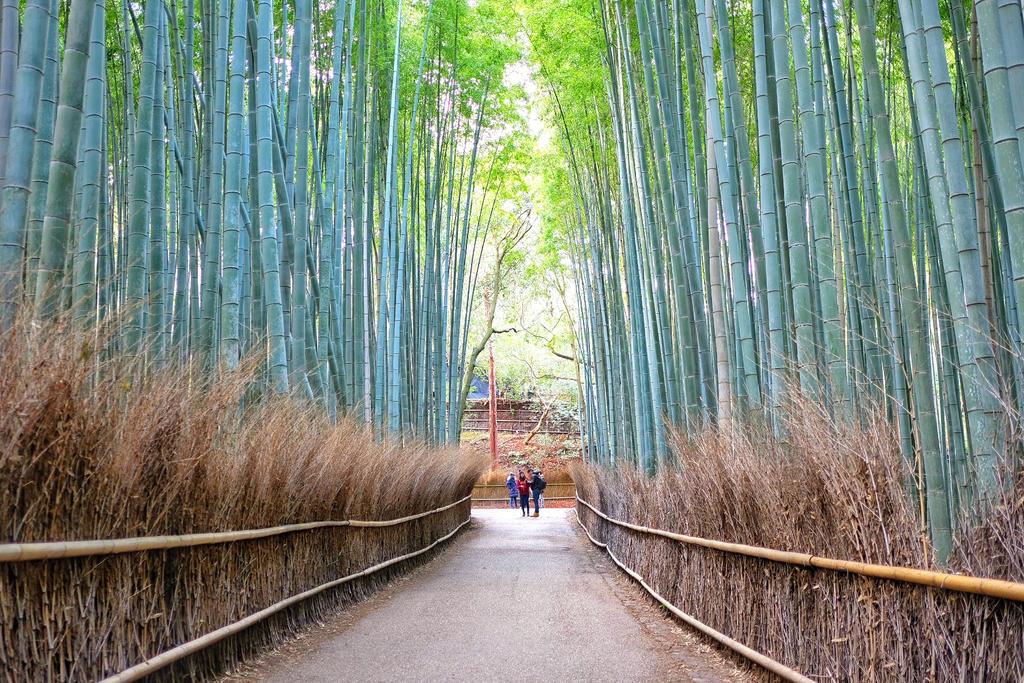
column 513, row 491
column 537, row 486
column 523, row 486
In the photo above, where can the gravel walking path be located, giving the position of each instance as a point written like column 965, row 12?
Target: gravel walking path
column 511, row 598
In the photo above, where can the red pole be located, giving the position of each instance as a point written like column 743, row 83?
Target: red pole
column 492, row 396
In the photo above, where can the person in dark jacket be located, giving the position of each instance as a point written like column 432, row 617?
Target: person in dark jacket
column 537, row 486
column 513, row 491
column 523, row 486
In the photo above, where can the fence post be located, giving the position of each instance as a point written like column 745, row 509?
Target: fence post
column 492, row 408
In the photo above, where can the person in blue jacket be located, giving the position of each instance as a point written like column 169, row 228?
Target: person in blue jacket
column 513, row 491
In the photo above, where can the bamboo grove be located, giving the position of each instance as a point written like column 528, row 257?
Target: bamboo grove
column 800, row 199
column 303, row 183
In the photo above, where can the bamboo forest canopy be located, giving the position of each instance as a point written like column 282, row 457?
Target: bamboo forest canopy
column 773, row 205
column 303, row 183
column 743, row 207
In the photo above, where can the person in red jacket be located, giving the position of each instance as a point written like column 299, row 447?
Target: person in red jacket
column 523, row 484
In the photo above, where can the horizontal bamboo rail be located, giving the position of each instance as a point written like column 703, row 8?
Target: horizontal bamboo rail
column 565, row 490
column 403, row 520
column 551, row 484
column 779, row 669
column 993, row 588
column 168, row 657
column 505, row 499
column 24, row 552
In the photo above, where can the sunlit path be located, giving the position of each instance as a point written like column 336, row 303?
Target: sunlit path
column 510, row 596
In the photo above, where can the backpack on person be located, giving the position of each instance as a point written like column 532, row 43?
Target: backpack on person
column 541, row 484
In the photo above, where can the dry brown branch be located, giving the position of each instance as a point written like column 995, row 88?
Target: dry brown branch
column 93, row 447
column 540, row 423
column 831, row 490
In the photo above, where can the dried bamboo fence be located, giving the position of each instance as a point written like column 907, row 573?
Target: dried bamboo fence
column 193, row 605
column 994, row 588
column 829, row 619
column 498, row 493
column 780, row 670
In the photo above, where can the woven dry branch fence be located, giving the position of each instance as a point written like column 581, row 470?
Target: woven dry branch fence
column 93, row 449
column 498, row 493
column 782, row 671
column 84, row 618
column 825, row 624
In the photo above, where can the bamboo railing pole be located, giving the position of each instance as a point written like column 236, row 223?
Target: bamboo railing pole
column 402, row 520
column 779, row 669
column 993, row 588
column 505, row 500
column 24, row 552
column 164, row 659
column 551, row 484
